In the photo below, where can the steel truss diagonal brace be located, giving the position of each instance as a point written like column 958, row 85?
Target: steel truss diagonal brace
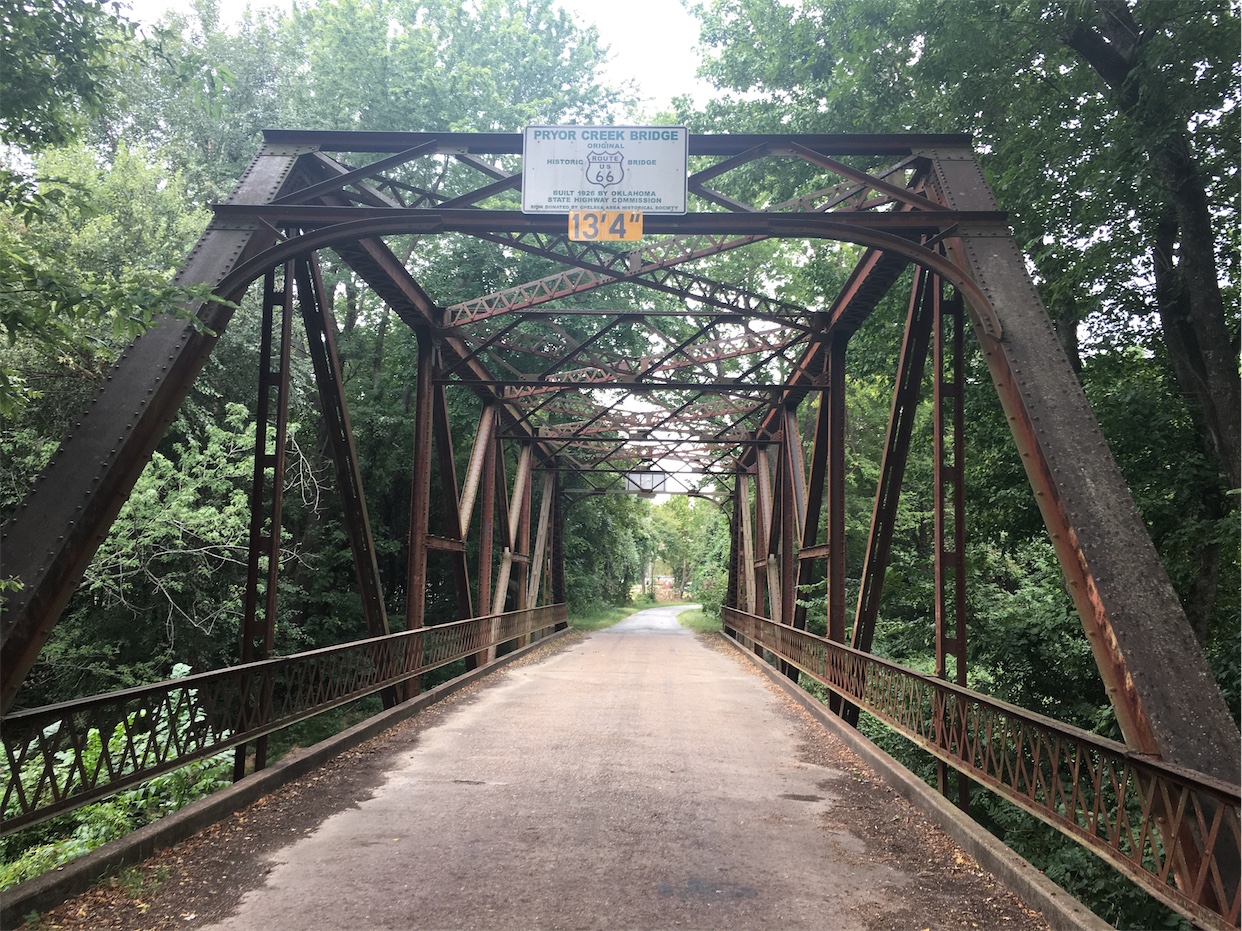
column 923, row 298
column 50, row 541
column 321, row 342
column 1157, row 678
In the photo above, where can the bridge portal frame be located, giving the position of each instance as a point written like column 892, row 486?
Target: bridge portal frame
column 295, row 199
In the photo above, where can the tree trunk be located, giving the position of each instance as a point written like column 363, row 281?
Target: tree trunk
column 1204, row 359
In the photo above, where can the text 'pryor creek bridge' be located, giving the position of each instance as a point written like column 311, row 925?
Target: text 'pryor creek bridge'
column 725, row 378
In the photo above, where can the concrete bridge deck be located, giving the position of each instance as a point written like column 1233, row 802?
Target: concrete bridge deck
column 639, row 778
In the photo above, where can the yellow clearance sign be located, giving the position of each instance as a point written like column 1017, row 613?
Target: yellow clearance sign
column 605, row 226
column 631, row 169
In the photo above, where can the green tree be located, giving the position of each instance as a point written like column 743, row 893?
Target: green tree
column 1130, row 207
column 692, row 540
column 167, row 582
column 606, row 547
column 81, row 275
column 59, row 60
column 1109, row 131
column 60, row 63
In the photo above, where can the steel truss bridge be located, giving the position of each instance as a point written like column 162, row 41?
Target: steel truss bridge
column 715, row 398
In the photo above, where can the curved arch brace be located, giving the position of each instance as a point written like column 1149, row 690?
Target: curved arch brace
column 782, row 227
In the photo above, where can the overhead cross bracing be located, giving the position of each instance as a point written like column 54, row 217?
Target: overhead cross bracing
column 645, row 365
column 681, row 354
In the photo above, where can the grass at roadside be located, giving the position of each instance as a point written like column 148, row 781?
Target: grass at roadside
column 606, row 617
column 603, row 617
column 697, row 619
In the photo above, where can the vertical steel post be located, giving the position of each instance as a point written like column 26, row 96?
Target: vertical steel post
column 513, row 519
column 455, row 530
column 420, row 505
column 764, row 544
column 557, row 568
column 808, row 550
column 791, row 478
column 734, row 586
column 258, row 633
column 519, row 524
column 834, row 423
column 751, row 594
column 487, row 526
column 948, row 492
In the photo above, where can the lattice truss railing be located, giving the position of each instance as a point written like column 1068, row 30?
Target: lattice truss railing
column 671, row 366
column 1152, row 821
column 62, row 756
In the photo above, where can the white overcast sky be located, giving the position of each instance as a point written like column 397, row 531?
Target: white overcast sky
column 652, row 42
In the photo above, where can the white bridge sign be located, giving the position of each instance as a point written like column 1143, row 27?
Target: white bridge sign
column 635, row 168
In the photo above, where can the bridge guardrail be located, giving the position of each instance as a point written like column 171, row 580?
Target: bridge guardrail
column 1172, row 831
column 61, row 756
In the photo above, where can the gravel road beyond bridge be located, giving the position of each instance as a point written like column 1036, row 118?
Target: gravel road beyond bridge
column 638, row 779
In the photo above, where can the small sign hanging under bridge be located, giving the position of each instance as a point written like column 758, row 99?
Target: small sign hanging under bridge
column 605, row 226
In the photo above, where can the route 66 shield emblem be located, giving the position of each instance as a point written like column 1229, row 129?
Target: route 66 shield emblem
column 604, row 168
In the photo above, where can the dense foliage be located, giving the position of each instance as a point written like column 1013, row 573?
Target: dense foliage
column 1110, row 131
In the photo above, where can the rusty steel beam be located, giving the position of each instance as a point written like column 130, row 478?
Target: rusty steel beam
column 257, row 631
column 48, row 543
column 518, row 514
column 450, row 496
column 420, row 495
column 492, row 223
column 540, row 555
column 913, row 359
column 475, row 468
column 766, row 515
column 791, row 495
column 521, row 546
column 750, row 591
column 787, row 505
column 948, row 486
column 722, row 145
column 834, row 423
column 949, row 507
column 258, row 626
column 487, row 525
column 1165, row 697
column 340, row 182
column 733, row 587
column 556, row 568
column 321, row 344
